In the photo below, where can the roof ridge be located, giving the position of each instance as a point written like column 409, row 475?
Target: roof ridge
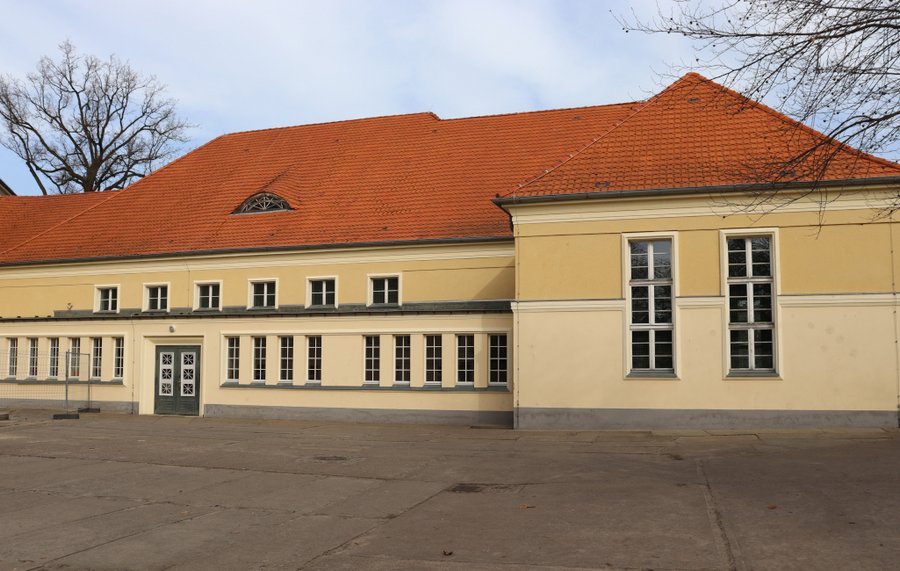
column 578, row 152
column 535, row 111
column 300, row 125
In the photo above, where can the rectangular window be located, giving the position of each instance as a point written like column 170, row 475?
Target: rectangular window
column 373, row 359
column 751, row 320
column 32, row 357
column 287, row 359
column 401, row 359
column 118, row 357
column 465, row 359
column 108, row 299
column 208, row 296
column 74, row 357
column 158, row 298
column 434, row 366
column 497, row 360
column 263, row 294
column 233, row 359
column 651, row 290
column 53, row 364
column 385, row 290
column 314, row 359
column 13, row 357
column 322, row 293
column 259, row 359
column 96, row 357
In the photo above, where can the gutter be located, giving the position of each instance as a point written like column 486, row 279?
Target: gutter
column 692, row 190
column 261, row 249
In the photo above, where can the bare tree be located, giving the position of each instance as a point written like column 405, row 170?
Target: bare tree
column 831, row 64
column 84, row 125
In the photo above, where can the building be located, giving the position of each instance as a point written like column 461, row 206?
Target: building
column 599, row 267
column 5, row 190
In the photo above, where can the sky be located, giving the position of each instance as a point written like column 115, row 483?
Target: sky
column 236, row 66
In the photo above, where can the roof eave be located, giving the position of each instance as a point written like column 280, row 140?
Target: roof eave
column 689, row 190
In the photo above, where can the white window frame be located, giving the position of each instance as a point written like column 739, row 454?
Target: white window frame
column 33, row 357
column 97, row 298
column 252, row 282
column 254, row 359
column 52, row 357
column 291, row 358
column 146, row 303
column 73, row 367
column 371, row 289
column 639, row 374
column 200, row 283
column 408, row 359
column 12, row 357
column 775, row 264
column 425, row 369
column 227, row 355
column 319, row 359
column 366, row 359
column 118, row 357
column 474, row 359
column 96, row 358
column 309, row 292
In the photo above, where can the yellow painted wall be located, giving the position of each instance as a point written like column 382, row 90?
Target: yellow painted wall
column 428, row 273
column 832, row 358
column 342, row 358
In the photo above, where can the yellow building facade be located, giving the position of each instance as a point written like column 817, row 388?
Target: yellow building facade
column 601, row 267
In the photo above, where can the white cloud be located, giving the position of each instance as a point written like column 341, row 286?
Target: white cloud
column 244, row 65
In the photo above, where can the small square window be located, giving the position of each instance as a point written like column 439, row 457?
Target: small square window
column 108, row 299
column 209, row 296
column 386, row 291
column 158, row 298
column 322, row 292
column 263, row 294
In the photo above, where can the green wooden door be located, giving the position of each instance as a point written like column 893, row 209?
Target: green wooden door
column 177, row 387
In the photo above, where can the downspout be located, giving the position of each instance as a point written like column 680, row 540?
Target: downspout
column 894, row 308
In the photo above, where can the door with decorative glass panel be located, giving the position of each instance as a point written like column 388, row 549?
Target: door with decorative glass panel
column 177, row 380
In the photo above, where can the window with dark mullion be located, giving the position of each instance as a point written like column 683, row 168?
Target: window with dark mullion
column 465, row 359
column 208, row 296
column 32, row 357
column 233, row 360
column 751, row 320
column 651, row 294
column 259, row 359
column 322, row 293
column 385, row 290
column 373, row 358
column 433, row 359
column 96, row 357
column 314, row 358
column 497, row 360
column 13, row 357
column 287, row 359
column 53, row 364
column 264, row 294
column 401, row 359
column 157, row 298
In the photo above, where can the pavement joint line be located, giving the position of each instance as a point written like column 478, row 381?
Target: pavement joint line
column 126, row 536
column 381, row 522
column 723, row 542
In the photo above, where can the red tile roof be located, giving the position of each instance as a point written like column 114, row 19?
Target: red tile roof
column 402, row 178
column 696, row 133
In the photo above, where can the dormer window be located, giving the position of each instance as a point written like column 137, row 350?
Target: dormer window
column 263, row 202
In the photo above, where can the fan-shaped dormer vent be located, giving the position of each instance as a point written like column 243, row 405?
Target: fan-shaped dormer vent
column 263, row 202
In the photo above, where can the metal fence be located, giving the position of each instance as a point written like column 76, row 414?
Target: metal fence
column 59, row 382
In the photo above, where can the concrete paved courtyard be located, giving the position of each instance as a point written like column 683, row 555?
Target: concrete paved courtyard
column 126, row 492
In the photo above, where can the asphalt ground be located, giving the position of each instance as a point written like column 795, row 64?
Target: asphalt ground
column 141, row 492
